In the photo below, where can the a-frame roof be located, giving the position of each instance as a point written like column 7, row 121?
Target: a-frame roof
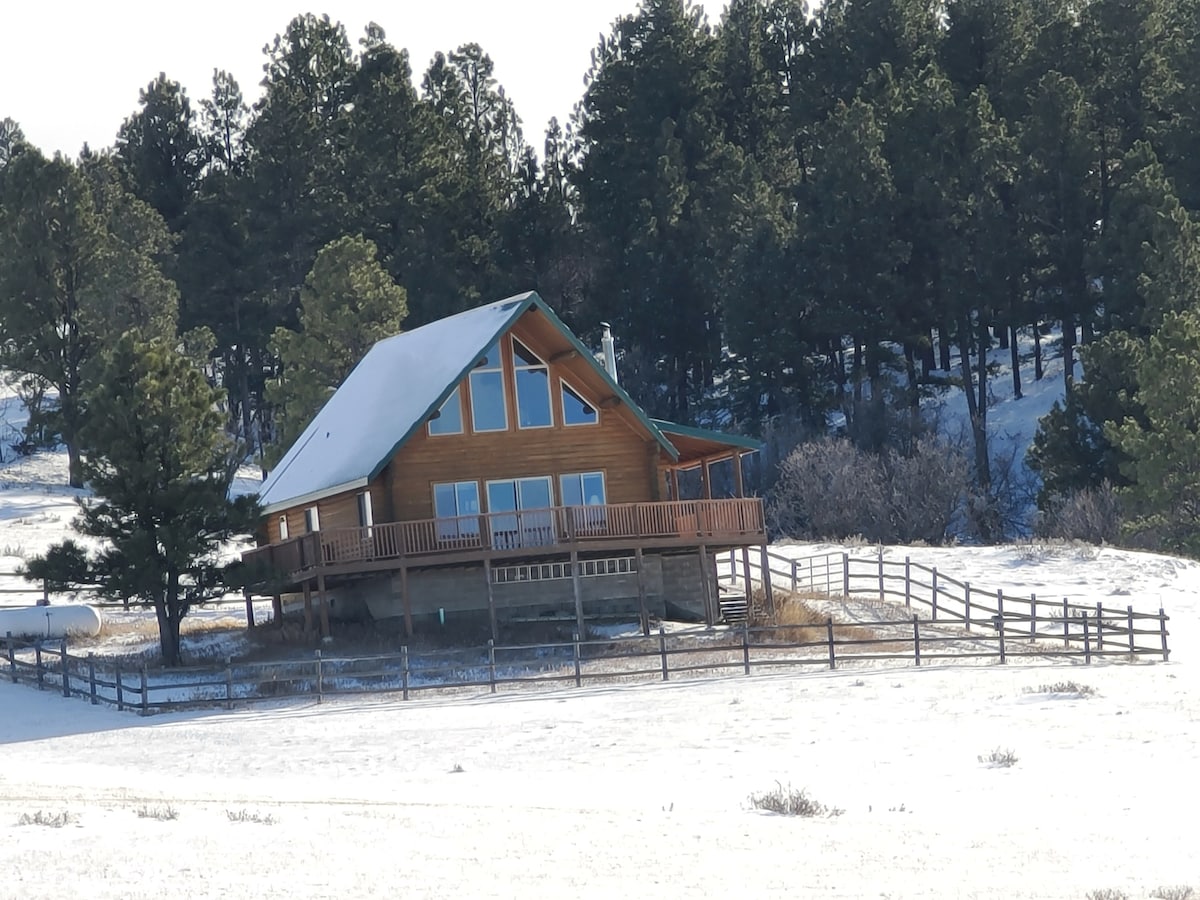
column 394, row 389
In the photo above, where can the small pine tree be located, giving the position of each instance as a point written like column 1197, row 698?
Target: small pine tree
column 160, row 467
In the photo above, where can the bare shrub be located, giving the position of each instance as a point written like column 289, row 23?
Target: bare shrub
column 1107, row 894
column 1064, row 687
column 797, row 619
column 1173, row 892
column 166, row 813
column 49, row 820
column 999, row 510
column 926, row 490
column 789, row 801
column 1000, row 758
column 245, row 815
column 1089, row 514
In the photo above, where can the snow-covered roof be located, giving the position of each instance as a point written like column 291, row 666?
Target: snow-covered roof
column 409, row 375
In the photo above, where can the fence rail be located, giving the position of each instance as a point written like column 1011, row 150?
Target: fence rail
column 746, row 650
column 16, row 591
column 944, row 599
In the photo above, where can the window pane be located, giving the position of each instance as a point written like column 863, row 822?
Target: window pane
column 572, row 490
column 450, row 420
column 444, row 505
column 502, row 498
column 535, row 493
column 487, row 401
column 491, row 359
column 575, row 410
column 522, row 356
column 467, row 495
column 593, row 488
column 533, row 398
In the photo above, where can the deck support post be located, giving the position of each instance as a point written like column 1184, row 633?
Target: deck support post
column 577, row 588
column 324, row 604
column 711, row 603
column 739, row 484
column 675, row 484
column 249, row 608
column 705, row 480
column 491, row 597
column 308, row 610
column 746, row 578
column 643, row 613
column 277, row 609
column 766, row 582
column 406, row 600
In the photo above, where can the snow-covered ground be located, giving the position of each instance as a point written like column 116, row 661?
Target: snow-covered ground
column 632, row 790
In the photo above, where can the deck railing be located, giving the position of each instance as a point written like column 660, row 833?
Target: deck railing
column 688, row 521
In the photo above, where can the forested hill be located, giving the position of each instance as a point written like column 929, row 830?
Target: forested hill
column 785, row 212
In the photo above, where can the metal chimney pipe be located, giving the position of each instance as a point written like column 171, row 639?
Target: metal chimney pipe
column 610, row 351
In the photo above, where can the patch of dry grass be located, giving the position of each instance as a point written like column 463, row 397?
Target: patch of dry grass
column 798, row 619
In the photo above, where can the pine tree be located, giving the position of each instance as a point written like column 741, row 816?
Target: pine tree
column 348, row 302
column 160, row 467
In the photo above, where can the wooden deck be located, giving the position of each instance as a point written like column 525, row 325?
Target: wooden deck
column 527, row 533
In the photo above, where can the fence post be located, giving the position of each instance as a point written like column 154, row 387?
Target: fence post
column 404, row 670
column 1033, row 617
column 1162, row 630
column 1132, row 647
column 746, row 644
column 492, row 665
column 12, row 659
column 999, row 607
column 1099, row 628
column 1066, row 624
column 91, row 659
column 37, row 657
column 66, row 674
column 829, row 638
column 907, row 583
column 320, row 677
column 145, row 693
column 662, row 650
column 845, row 574
column 795, row 578
column 120, row 688
column 1087, row 642
column 916, row 641
column 1000, row 628
column 578, row 678
column 881, row 573
column 229, row 682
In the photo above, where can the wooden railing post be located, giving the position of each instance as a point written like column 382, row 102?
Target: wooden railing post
column 320, row 677
column 91, row 662
column 880, row 573
column 229, row 682
column 662, row 650
column 1000, row 628
column 746, row 642
column 120, row 688
column 845, row 574
column 1033, row 617
column 829, row 637
column 1066, row 623
column 907, row 583
column 492, row 665
column 1132, row 646
column 145, row 693
column 1087, row 641
column 1162, row 630
column 1099, row 628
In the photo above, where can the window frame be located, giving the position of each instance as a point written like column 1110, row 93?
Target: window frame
column 312, row 519
column 284, row 534
column 456, row 396
column 466, row 525
column 540, row 366
column 563, row 386
column 488, row 369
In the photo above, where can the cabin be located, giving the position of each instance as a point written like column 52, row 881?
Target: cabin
column 488, row 467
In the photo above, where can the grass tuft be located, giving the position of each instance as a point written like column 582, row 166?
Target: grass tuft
column 50, row 820
column 1000, row 758
column 1173, row 892
column 1107, row 894
column 245, row 815
column 166, row 813
column 1063, row 687
column 789, row 801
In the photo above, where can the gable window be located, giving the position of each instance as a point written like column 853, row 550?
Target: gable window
column 532, row 379
column 456, row 505
column 576, row 410
column 487, row 393
column 312, row 519
column 283, row 528
column 449, row 419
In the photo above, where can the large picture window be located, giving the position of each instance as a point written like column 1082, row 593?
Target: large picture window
column 585, row 492
column 519, row 511
column 452, row 502
column 487, row 393
column 532, row 379
column 576, row 410
column 449, row 419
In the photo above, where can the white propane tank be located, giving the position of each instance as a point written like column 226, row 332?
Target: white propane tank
column 50, row 621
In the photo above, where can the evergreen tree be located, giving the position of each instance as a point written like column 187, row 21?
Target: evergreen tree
column 348, row 302
column 160, row 466
column 12, row 138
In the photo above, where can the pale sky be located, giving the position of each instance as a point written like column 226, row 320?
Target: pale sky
column 70, row 71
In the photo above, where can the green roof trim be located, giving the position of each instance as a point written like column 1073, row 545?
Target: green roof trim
column 705, row 434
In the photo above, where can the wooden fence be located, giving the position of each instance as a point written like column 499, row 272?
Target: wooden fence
column 947, row 600
column 746, row 650
column 16, row 591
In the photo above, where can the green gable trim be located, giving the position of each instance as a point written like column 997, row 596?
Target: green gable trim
column 704, row 434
